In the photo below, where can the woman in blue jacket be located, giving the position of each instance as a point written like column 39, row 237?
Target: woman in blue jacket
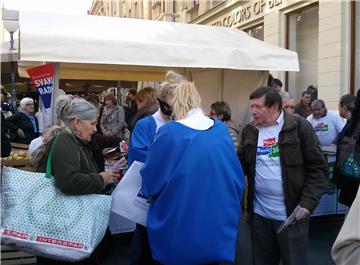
column 142, row 137
column 195, row 182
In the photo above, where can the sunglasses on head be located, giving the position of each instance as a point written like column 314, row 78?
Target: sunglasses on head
column 165, row 108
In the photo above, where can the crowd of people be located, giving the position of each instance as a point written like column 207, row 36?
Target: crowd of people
column 195, row 165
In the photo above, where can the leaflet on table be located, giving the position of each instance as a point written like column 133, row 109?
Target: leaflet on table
column 128, row 200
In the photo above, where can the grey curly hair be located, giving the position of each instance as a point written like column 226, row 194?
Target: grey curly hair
column 68, row 108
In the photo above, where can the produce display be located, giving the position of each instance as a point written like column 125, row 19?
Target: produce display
column 17, row 158
column 17, row 155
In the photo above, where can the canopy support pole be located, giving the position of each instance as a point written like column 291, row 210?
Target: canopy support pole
column 221, row 87
column 55, row 92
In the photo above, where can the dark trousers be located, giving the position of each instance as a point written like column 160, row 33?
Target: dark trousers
column 269, row 247
column 140, row 252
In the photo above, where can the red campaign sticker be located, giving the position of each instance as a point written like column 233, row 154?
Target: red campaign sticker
column 269, row 141
column 15, row 234
column 319, row 125
column 59, row 242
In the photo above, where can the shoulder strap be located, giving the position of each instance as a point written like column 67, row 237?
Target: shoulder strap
column 48, row 171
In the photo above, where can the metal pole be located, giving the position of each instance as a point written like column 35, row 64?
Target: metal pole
column 12, row 41
column 13, row 86
column 55, row 92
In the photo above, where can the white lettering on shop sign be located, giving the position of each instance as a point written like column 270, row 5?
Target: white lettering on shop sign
column 246, row 12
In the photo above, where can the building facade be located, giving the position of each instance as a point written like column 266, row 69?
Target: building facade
column 325, row 34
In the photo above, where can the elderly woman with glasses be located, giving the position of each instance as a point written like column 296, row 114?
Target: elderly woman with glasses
column 73, row 167
column 24, row 125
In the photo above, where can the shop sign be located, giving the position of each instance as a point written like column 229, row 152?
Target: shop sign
column 247, row 12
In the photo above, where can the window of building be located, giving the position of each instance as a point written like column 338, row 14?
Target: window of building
column 194, row 2
column 256, row 31
column 174, row 4
column 303, row 37
column 136, row 10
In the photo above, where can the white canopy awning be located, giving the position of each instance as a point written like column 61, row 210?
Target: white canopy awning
column 82, row 42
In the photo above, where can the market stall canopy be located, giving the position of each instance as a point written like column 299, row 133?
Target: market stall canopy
column 109, row 48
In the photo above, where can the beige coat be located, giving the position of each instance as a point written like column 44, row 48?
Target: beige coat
column 346, row 249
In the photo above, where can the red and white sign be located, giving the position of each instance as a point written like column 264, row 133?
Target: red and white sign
column 269, row 141
column 43, row 79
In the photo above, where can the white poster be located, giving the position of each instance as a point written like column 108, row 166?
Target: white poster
column 128, row 200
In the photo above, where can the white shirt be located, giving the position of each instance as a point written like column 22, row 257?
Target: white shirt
column 159, row 120
column 35, row 144
column 269, row 194
column 327, row 128
column 197, row 120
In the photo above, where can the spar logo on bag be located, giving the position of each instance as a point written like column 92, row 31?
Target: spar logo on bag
column 59, row 242
column 42, row 239
column 13, row 233
column 37, row 218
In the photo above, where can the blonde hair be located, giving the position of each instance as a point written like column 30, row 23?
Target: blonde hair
column 168, row 87
column 186, row 98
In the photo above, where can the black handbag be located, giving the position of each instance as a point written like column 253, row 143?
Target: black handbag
column 348, row 158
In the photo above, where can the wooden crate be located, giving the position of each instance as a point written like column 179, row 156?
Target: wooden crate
column 10, row 256
column 23, row 164
column 19, row 146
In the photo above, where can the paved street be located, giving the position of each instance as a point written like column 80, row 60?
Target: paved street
column 323, row 231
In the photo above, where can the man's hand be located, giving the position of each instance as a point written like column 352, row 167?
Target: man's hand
column 301, row 213
column 20, row 133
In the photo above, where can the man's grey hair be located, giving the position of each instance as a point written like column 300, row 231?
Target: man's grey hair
column 318, row 103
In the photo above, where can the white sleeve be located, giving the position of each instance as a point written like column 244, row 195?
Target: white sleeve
column 346, row 249
column 35, row 144
column 309, row 118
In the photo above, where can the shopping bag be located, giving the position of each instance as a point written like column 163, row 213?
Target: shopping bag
column 38, row 218
column 128, row 200
column 348, row 157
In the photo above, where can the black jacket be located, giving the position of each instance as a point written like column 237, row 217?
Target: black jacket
column 348, row 187
column 21, row 121
column 304, row 168
column 5, row 141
